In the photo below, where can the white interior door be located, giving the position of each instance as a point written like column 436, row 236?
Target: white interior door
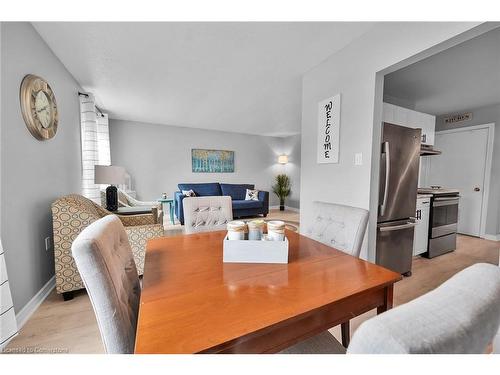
column 462, row 165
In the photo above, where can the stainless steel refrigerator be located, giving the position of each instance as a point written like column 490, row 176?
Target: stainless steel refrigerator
column 399, row 166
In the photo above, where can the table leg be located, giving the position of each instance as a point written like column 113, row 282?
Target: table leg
column 171, row 208
column 162, row 211
column 346, row 334
column 389, row 290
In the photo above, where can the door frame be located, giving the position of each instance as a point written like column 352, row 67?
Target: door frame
column 487, row 168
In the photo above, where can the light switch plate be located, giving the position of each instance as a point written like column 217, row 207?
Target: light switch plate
column 358, row 158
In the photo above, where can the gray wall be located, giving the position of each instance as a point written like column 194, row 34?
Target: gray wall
column 33, row 173
column 158, row 157
column 352, row 72
column 480, row 116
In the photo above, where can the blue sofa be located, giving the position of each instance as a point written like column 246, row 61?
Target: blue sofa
column 237, row 192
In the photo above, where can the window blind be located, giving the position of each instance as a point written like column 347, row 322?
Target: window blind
column 95, row 144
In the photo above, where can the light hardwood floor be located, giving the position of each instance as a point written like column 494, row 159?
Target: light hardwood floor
column 70, row 327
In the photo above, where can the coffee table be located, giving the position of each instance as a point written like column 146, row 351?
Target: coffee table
column 192, row 302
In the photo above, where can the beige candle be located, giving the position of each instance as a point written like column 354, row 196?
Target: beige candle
column 236, row 230
column 276, row 230
column 255, row 229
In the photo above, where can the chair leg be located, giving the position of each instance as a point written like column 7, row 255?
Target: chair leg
column 346, row 335
column 67, row 296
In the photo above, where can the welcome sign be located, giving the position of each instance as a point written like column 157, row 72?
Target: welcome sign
column 328, row 130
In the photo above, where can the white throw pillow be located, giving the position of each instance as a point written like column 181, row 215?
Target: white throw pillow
column 188, row 193
column 252, row 195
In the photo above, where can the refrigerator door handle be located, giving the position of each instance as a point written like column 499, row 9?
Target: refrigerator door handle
column 409, row 224
column 386, row 151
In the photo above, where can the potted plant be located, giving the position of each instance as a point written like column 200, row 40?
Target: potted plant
column 282, row 189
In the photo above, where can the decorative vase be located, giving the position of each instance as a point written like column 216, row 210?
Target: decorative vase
column 282, row 205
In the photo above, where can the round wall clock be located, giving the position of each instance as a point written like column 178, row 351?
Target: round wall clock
column 39, row 107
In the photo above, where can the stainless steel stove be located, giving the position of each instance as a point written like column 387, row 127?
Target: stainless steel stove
column 443, row 220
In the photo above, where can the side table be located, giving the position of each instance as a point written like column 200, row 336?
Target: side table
column 171, row 206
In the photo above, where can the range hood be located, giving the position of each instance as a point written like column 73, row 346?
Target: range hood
column 427, row 150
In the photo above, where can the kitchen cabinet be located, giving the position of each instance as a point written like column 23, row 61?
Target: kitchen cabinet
column 421, row 234
column 428, row 124
column 397, row 115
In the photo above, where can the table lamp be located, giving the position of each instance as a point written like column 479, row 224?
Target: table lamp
column 112, row 175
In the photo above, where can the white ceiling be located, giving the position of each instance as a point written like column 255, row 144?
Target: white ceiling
column 463, row 77
column 239, row 77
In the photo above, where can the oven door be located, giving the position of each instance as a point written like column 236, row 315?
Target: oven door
column 444, row 216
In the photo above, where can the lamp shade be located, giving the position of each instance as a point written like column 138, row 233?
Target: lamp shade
column 283, row 159
column 109, row 174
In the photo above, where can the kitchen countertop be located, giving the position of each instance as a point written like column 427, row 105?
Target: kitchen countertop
column 440, row 191
column 423, row 196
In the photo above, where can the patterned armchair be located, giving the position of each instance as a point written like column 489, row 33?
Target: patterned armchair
column 71, row 214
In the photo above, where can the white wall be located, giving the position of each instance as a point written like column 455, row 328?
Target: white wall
column 33, row 173
column 352, row 73
column 158, row 157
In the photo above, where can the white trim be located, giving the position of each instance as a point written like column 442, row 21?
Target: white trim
column 487, row 168
column 286, row 208
column 25, row 313
column 491, row 237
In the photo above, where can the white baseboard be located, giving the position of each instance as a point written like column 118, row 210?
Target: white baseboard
column 288, row 208
column 25, row 313
column 491, row 237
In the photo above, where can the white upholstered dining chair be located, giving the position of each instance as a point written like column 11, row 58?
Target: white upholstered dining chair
column 496, row 340
column 106, row 265
column 462, row 316
column 342, row 227
column 203, row 214
column 338, row 226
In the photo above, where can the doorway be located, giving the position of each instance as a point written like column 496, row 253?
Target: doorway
column 465, row 164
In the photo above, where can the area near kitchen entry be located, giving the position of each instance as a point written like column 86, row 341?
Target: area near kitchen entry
column 439, row 160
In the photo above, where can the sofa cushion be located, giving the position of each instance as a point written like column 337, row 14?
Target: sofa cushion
column 243, row 204
column 236, row 191
column 252, row 195
column 202, row 190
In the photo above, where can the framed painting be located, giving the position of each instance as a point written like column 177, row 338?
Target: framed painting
column 212, row 161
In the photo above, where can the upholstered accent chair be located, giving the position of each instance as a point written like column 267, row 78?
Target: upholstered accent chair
column 461, row 316
column 202, row 214
column 73, row 213
column 341, row 227
column 106, row 265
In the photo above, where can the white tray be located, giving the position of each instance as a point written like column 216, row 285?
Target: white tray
column 247, row 251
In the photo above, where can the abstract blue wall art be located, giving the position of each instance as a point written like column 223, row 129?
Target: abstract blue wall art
column 212, row 161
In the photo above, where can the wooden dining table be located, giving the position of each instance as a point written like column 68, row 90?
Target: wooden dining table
column 192, row 302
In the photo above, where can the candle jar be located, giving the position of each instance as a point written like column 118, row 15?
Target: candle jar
column 255, row 229
column 276, row 230
column 236, row 230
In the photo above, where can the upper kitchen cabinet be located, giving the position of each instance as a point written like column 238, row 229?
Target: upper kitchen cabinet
column 394, row 114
